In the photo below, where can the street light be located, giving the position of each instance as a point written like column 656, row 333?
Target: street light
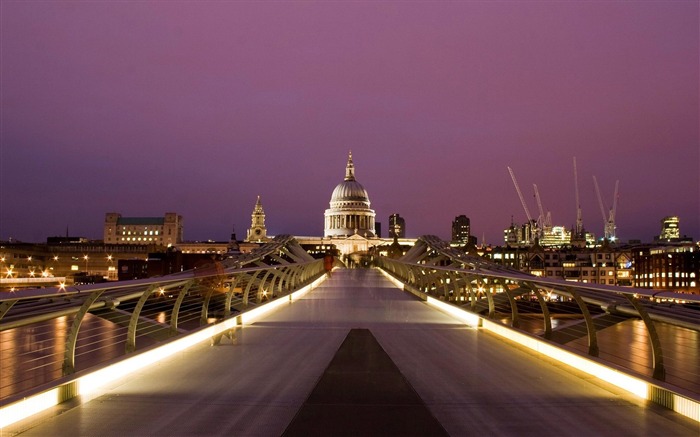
column 110, row 268
column 86, row 258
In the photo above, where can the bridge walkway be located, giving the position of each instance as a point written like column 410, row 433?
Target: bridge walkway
column 259, row 383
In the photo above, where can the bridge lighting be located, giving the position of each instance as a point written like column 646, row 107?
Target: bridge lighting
column 161, row 290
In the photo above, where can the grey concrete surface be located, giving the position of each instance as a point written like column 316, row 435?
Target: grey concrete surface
column 472, row 382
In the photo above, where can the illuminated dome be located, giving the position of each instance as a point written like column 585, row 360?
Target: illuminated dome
column 349, row 190
column 349, row 211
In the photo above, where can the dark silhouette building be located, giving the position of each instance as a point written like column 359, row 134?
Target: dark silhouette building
column 461, row 230
column 397, row 226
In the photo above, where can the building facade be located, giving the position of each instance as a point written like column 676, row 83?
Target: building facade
column 159, row 231
column 603, row 265
column 349, row 212
column 673, row 267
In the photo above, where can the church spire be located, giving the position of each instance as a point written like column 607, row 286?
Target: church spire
column 350, row 169
column 257, row 231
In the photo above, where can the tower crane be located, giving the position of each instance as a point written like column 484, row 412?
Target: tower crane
column 544, row 222
column 608, row 220
column 611, row 227
column 522, row 201
column 579, row 216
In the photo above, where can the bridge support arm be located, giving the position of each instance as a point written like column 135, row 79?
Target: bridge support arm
column 590, row 327
column 656, row 351
column 176, row 308
column 5, row 307
column 72, row 337
column 515, row 317
column 543, row 305
column 133, row 322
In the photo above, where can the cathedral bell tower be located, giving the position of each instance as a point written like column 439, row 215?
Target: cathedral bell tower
column 257, row 232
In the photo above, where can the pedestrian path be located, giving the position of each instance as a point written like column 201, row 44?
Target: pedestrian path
column 340, row 357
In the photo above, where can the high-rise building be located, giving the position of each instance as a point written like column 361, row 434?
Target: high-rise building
column 163, row 231
column 461, row 230
column 349, row 213
column 670, row 228
column 397, row 226
column 257, row 231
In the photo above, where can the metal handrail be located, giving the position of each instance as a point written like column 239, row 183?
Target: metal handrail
column 432, row 268
column 141, row 311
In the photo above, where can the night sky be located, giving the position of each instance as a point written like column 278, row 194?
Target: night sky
column 144, row 108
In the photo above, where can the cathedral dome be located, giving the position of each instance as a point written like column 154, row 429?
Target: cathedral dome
column 350, row 191
column 349, row 211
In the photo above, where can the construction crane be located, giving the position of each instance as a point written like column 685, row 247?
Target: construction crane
column 544, row 222
column 536, row 231
column 579, row 216
column 611, row 227
column 609, row 219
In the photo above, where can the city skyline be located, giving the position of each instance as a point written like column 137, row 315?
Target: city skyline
column 147, row 108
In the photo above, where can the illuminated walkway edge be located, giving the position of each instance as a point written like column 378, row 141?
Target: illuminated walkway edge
column 90, row 385
column 643, row 389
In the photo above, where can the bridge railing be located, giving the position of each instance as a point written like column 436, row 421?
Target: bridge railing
column 647, row 333
column 50, row 334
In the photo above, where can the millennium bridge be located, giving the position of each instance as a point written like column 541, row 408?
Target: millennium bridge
column 273, row 343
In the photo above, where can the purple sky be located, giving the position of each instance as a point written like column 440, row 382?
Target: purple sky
column 197, row 107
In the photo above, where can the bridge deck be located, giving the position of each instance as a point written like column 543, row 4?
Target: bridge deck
column 473, row 383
